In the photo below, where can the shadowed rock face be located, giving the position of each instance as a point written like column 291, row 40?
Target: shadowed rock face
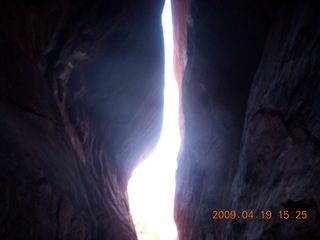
column 81, row 102
column 251, row 110
column 279, row 163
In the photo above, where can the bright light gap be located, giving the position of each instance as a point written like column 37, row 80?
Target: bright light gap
column 152, row 185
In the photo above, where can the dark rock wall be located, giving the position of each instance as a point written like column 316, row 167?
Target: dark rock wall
column 279, row 166
column 81, row 101
column 250, row 139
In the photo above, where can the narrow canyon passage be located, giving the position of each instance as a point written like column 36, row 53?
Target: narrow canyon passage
column 152, row 186
column 82, row 102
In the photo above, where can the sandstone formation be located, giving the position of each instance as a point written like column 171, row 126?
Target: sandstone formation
column 81, row 103
column 250, row 95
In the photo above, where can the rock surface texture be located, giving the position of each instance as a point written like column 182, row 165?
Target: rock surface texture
column 81, row 101
column 250, row 93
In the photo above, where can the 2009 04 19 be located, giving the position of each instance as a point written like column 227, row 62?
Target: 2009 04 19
column 283, row 214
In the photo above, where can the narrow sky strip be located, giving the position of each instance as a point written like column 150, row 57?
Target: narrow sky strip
column 152, row 186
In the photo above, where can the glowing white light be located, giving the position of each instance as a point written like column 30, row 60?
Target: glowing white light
column 152, row 185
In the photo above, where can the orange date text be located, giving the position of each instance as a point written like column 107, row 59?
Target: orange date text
column 283, row 215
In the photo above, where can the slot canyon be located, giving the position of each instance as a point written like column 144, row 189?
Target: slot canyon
column 81, row 88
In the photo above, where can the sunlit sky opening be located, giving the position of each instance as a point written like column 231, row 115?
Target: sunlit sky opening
column 152, row 185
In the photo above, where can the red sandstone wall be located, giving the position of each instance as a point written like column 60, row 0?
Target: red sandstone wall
column 180, row 18
column 81, row 97
column 251, row 134
column 179, row 22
